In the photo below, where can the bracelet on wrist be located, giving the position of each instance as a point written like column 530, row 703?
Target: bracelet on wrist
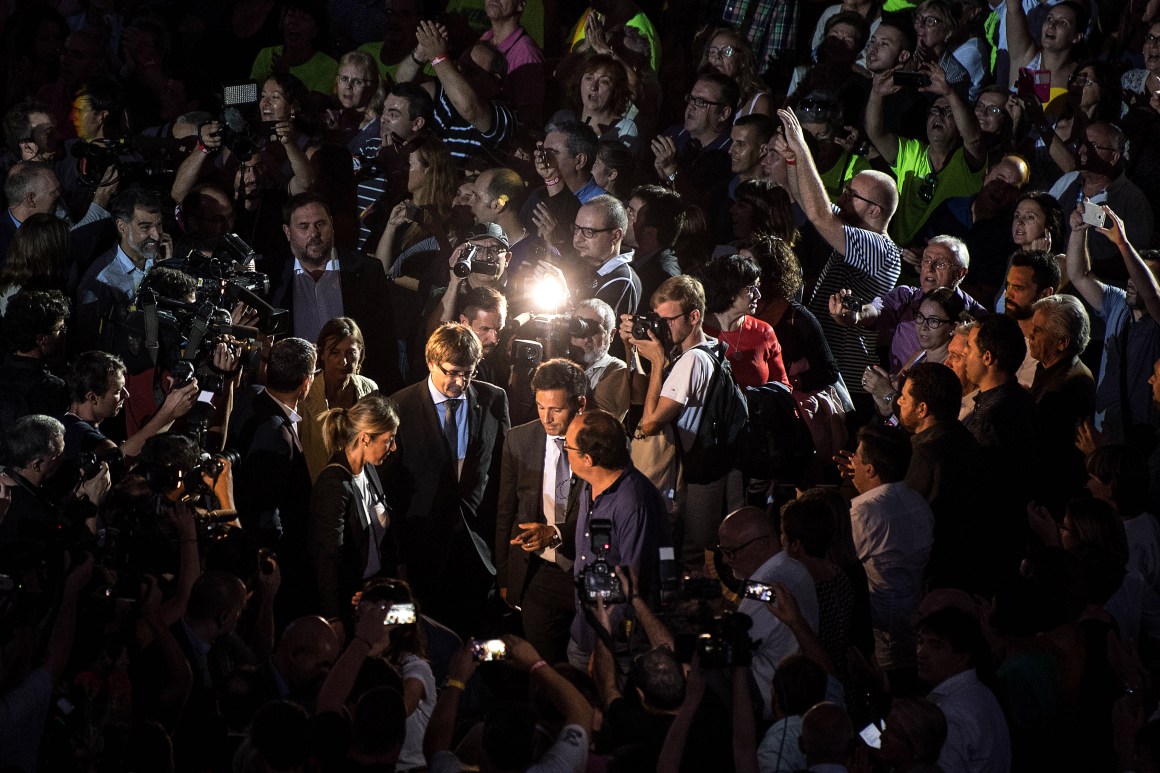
column 791, row 162
column 439, row 60
column 456, row 683
column 416, row 59
column 537, row 665
column 553, row 181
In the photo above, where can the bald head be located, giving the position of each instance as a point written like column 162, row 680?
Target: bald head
column 305, row 653
column 885, row 193
column 748, row 538
column 826, row 734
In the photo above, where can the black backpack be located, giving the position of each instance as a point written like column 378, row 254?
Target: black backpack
column 777, row 444
column 722, row 426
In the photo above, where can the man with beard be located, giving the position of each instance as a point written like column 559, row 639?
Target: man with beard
column 949, row 164
column 862, row 257
column 318, row 283
column 1132, row 337
column 591, row 353
column 484, row 310
column 115, row 276
column 1034, row 274
column 1101, row 179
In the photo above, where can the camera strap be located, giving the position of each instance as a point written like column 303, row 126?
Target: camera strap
column 197, row 332
column 152, row 326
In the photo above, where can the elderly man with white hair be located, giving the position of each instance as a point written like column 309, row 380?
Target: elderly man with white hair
column 945, row 262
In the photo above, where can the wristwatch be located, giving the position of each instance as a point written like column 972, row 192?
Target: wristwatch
column 556, row 541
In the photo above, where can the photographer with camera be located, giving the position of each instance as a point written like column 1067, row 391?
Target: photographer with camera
column 31, row 451
column 480, row 261
column 682, row 367
column 98, row 392
column 618, row 494
column 591, row 353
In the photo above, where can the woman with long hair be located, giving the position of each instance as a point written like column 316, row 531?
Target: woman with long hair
column 281, row 105
column 602, row 98
column 37, row 257
column 341, row 353
column 432, row 184
column 728, row 52
column 351, row 539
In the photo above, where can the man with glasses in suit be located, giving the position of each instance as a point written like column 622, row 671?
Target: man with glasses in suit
column 441, row 483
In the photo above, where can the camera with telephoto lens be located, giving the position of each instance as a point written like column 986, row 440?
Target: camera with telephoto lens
column 145, row 161
column 599, row 579
column 468, row 263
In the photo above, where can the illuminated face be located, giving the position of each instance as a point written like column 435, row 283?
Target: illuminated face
column 1060, row 30
column 556, row 411
column 86, row 121
column 596, row 91
column 702, row 120
column 353, row 87
column 378, row 447
column 940, row 268
column 311, row 234
column 1028, row 223
column 745, row 302
column 602, row 244
column 746, row 151
column 396, row 119
column 450, row 379
column 991, row 111
column 723, row 55
column 341, row 359
column 932, row 32
column 908, row 408
column 933, row 338
column 273, row 103
column 141, row 236
column 1043, row 344
column 976, row 364
column 884, row 49
column 1152, row 48
column 957, row 357
column 109, row 403
column 487, row 325
column 940, row 122
column 1021, row 292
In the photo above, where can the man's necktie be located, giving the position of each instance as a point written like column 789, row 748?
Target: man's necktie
column 451, row 428
column 563, row 482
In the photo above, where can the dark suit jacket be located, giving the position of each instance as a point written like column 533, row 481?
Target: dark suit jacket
column 339, row 534
column 419, row 478
column 367, row 298
column 272, row 479
column 520, row 501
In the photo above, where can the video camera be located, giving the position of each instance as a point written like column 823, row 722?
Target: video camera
column 244, row 136
column 150, row 162
column 468, row 264
column 599, row 579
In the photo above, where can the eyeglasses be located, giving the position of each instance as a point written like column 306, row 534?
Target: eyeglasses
column 753, row 289
column 930, row 323
column 1080, row 81
column 941, row 112
column 465, row 375
column 701, row 102
column 937, row 265
column 992, row 110
column 849, row 189
column 729, row 553
column 677, row 316
column 567, row 447
column 358, row 83
column 589, row 233
column 725, row 52
column 926, row 192
column 929, row 22
column 1104, row 147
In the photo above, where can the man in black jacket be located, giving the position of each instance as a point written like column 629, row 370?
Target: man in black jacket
column 441, row 481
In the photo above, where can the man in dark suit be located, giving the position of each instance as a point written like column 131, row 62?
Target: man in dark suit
column 536, row 517
column 441, row 481
column 317, row 283
column 272, row 479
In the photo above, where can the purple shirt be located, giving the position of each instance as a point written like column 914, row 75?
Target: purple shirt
column 896, row 319
column 524, row 84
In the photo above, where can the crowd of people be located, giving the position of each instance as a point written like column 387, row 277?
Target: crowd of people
column 376, row 377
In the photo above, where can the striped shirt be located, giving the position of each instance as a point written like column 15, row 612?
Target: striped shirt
column 869, row 269
column 463, row 139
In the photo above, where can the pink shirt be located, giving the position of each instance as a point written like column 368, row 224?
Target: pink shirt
column 524, row 85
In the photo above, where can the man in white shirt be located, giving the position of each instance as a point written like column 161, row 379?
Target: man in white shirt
column 536, row 513
column 751, row 546
column 978, row 740
column 677, row 397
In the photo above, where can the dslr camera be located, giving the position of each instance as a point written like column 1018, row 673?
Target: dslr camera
column 599, row 580
column 642, row 324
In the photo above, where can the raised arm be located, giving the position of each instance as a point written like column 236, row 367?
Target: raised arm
column 370, row 632
column 1020, row 44
column 1146, row 286
column 887, row 143
column 469, row 104
column 964, row 115
column 1079, row 267
column 811, row 194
